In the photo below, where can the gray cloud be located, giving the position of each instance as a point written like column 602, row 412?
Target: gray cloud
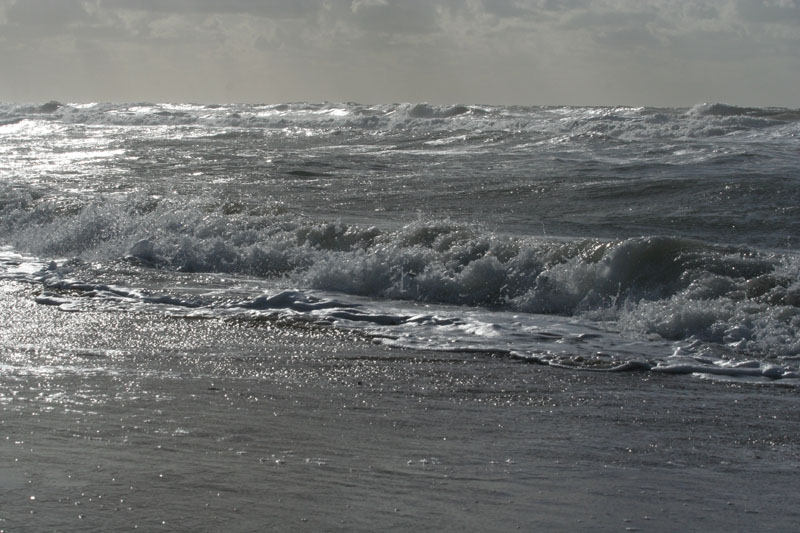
column 638, row 36
column 408, row 17
column 45, row 12
column 279, row 9
column 770, row 11
column 661, row 52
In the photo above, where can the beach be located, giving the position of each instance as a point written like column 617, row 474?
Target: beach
column 125, row 421
column 383, row 265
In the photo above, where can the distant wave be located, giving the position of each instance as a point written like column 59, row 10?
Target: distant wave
column 703, row 120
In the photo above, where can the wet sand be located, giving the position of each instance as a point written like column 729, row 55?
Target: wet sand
column 113, row 420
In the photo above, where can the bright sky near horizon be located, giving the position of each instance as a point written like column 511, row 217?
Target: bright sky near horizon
column 548, row 52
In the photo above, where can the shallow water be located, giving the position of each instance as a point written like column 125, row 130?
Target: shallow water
column 143, row 421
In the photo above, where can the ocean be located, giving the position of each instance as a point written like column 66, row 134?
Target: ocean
column 338, row 316
column 596, row 238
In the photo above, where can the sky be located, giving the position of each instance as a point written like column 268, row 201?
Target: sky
column 529, row 52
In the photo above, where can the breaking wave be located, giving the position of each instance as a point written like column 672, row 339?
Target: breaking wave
column 667, row 288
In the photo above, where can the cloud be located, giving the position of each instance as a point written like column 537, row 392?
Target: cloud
column 45, row 12
column 524, row 51
column 406, row 17
column 770, row 11
column 507, row 9
column 639, row 36
column 279, row 9
column 358, row 4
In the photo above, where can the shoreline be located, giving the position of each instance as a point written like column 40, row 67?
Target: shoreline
column 141, row 421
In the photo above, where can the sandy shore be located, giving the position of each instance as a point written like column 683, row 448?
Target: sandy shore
column 119, row 421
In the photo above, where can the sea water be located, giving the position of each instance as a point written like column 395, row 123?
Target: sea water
column 592, row 238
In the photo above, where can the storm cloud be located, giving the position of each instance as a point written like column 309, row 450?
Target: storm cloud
column 644, row 52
